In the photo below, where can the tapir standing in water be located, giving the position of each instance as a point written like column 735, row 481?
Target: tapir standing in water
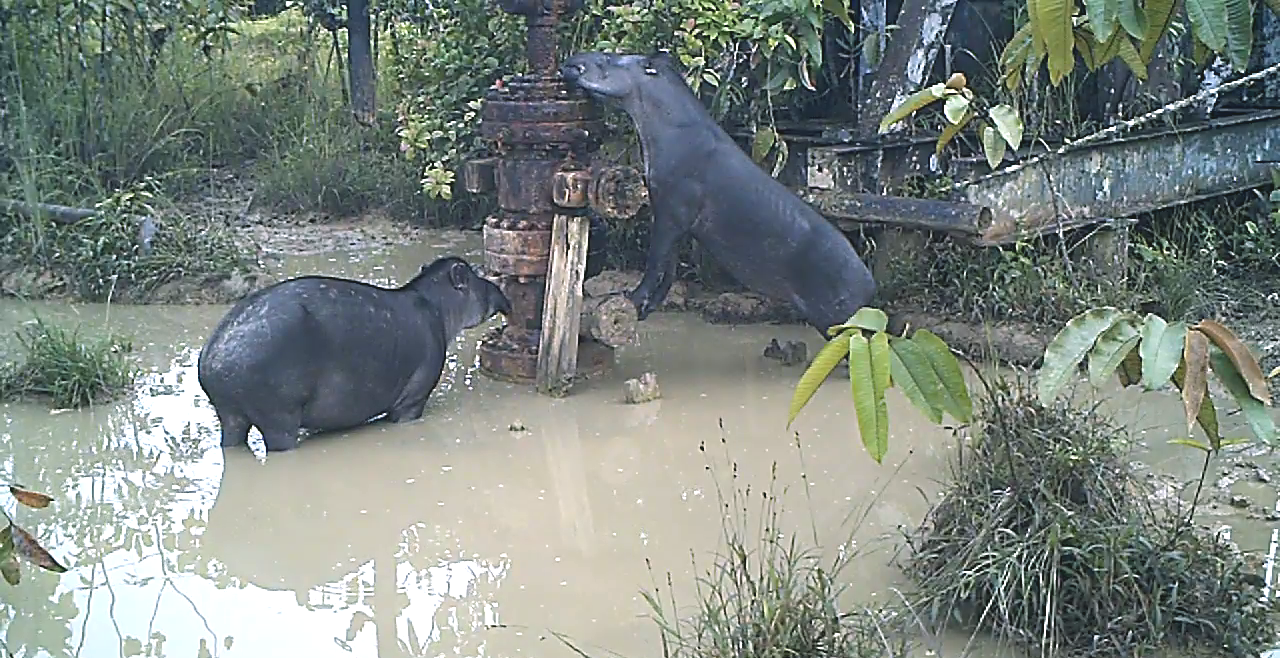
column 322, row 353
column 701, row 182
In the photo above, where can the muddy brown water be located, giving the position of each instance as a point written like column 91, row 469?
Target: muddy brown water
column 500, row 518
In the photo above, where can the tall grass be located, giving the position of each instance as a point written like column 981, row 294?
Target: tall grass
column 66, row 367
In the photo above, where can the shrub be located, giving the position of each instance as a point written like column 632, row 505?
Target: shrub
column 1045, row 538
column 69, row 369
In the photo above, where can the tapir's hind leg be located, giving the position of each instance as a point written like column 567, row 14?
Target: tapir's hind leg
column 235, row 428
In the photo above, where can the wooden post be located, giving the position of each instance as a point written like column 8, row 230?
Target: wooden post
column 561, row 313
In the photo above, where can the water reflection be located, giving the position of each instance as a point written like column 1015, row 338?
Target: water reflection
column 454, row 535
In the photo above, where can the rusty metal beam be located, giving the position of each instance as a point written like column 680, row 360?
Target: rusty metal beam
column 848, row 210
column 1129, row 176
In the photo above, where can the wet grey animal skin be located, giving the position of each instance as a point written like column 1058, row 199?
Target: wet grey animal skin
column 323, row 353
column 702, row 183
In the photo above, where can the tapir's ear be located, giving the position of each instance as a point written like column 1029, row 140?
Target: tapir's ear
column 658, row 58
column 459, row 275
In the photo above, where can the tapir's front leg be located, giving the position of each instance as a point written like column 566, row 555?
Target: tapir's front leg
column 669, row 225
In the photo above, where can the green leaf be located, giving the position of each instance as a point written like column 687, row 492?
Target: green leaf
column 1064, row 353
column 1102, row 18
column 1255, row 412
column 1053, row 25
column 869, row 318
column 1159, row 16
column 763, row 143
column 945, row 365
column 911, row 371
column 1132, row 18
column 1161, row 350
column 955, row 108
column 881, row 379
column 950, row 131
column 1198, row 445
column 823, row 363
column 1129, row 55
column 1239, row 33
column 1007, row 122
column 1209, row 22
column 1112, row 347
column 993, row 145
column 912, row 103
column 840, row 8
column 10, row 569
column 862, row 383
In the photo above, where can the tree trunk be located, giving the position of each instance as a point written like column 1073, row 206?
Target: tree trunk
column 360, row 62
column 611, row 319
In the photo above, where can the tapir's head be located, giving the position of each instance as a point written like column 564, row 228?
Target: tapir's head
column 466, row 298
column 615, row 76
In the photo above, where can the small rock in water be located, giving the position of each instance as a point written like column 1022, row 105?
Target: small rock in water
column 641, row 390
column 1240, row 501
column 516, row 426
column 773, row 350
column 794, row 352
column 1261, row 475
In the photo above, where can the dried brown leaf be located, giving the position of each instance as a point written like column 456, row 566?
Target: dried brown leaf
column 29, row 548
column 30, row 498
column 1195, row 354
column 1240, row 356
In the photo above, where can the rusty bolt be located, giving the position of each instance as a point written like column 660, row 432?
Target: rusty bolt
column 479, row 175
column 569, row 189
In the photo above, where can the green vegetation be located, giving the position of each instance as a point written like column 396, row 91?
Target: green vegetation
column 68, row 368
column 1045, row 538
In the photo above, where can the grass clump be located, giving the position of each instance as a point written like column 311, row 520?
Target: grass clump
column 69, row 369
column 1046, row 539
column 126, row 250
column 765, row 595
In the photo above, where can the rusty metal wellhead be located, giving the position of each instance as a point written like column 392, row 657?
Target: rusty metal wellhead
column 540, row 139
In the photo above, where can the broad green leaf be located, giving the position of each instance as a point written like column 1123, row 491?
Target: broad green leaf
column 1207, row 416
column 912, row 103
column 1209, row 22
column 1129, row 55
column 1198, row 445
column 1159, row 16
column 881, row 379
column 869, row 318
column 955, row 108
column 823, row 363
column 1015, row 55
column 1132, row 18
column 763, row 143
column 840, row 8
column 951, row 130
column 1255, row 412
column 1246, row 364
column 947, row 367
column 1052, row 20
column 1111, row 348
column 911, row 371
column 1239, row 33
column 1068, row 348
column 1084, row 46
column 1161, row 350
column 993, row 145
column 1200, row 53
column 1195, row 356
column 1102, row 17
column 862, row 383
column 1008, row 124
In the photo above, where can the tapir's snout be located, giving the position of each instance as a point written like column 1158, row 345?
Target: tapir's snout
column 501, row 304
column 570, row 71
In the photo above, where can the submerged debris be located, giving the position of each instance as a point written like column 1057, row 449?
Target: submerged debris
column 794, row 352
column 1045, row 537
column 642, row 389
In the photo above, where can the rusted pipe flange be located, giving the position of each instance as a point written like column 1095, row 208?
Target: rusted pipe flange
column 618, row 192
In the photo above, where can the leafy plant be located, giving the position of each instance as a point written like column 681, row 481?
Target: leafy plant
column 923, row 366
column 70, row 370
column 16, row 542
column 960, row 107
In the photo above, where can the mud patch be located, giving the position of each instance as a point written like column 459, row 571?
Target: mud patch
column 736, row 307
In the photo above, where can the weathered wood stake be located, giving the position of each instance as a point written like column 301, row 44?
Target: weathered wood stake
column 561, row 314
